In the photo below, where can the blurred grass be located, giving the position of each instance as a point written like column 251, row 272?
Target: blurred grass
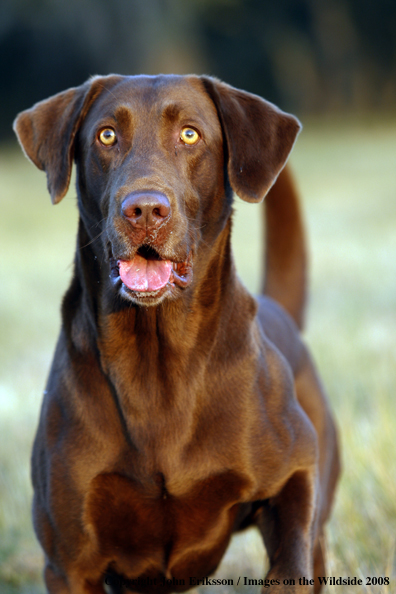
column 347, row 177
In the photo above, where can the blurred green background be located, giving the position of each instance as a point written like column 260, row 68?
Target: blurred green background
column 307, row 55
column 333, row 63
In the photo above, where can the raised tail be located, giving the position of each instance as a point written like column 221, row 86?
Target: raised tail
column 285, row 256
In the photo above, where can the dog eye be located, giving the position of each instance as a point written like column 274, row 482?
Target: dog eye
column 189, row 135
column 108, row 136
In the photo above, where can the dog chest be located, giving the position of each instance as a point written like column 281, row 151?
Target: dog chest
column 157, row 532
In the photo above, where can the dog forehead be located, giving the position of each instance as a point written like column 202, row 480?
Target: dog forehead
column 166, row 96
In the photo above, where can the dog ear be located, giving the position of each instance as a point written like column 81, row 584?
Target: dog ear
column 259, row 138
column 47, row 131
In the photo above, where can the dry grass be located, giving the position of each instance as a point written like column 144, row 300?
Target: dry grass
column 346, row 173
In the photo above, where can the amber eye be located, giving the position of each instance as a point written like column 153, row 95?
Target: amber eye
column 189, row 135
column 108, row 137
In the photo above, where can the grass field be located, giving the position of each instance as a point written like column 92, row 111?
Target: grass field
column 346, row 173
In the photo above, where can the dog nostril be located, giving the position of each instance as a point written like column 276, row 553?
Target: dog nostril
column 137, row 212
column 161, row 211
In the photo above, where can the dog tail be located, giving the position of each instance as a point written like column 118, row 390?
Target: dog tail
column 285, row 256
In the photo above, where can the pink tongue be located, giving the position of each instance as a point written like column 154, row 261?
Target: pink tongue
column 140, row 274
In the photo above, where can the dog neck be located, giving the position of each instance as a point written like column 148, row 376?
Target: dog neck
column 159, row 360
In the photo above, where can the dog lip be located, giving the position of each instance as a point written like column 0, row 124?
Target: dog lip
column 114, row 269
column 182, row 272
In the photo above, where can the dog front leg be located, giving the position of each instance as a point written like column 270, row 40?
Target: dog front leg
column 77, row 584
column 286, row 523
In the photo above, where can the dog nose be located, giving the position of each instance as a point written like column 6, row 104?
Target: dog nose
column 146, row 210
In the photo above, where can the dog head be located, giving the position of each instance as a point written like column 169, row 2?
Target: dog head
column 157, row 161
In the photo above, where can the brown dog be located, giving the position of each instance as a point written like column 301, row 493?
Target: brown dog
column 178, row 408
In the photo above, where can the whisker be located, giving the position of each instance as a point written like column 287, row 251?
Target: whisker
column 92, row 240
column 98, row 223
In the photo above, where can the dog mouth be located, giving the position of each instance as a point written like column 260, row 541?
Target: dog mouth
column 148, row 273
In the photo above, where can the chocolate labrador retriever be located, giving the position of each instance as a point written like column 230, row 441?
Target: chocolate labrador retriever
column 179, row 408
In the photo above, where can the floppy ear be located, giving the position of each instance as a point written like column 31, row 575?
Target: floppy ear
column 47, row 131
column 259, row 138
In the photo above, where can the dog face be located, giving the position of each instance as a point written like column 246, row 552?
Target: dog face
column 158, row 159
column 153, row 160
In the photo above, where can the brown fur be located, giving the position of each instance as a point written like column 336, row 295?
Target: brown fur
column 171, row 420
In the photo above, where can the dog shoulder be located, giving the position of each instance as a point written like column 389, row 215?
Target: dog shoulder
column 282, row 331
